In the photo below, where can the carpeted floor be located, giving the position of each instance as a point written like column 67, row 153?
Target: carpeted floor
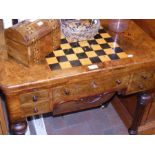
column 91, row 122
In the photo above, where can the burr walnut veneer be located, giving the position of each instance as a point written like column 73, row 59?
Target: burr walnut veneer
column 37, row 90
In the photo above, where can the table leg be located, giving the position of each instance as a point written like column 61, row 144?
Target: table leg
column 19, row 128
column 143, row 99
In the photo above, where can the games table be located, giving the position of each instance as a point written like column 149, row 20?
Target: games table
column 81, row 75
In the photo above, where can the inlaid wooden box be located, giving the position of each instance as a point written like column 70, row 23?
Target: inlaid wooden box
column 30, row 41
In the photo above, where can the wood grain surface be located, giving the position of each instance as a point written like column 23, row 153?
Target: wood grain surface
column 3, row 50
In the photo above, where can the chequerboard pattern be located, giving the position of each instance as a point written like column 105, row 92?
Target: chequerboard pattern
column 72, row 54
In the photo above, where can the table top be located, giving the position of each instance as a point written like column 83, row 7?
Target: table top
column 137, row 44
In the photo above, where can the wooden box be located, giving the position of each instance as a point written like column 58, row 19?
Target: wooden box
column 30, row 41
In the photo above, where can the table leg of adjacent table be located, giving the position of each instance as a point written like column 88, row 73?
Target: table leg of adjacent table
column 143, row 99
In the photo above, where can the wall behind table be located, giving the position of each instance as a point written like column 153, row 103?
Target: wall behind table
column 148, row 25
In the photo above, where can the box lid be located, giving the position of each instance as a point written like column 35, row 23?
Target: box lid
column 28, row 31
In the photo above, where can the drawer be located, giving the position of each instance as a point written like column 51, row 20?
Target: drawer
column 81, row 104
column 88, row 88
column 34, row 103
column 29, row 109
column 34, row 96
column 141, row 81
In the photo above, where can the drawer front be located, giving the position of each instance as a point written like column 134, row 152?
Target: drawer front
column 34, row 96
column 141, row 81
column 29, row 109
column 35, row 103
column 88, row 88
column 81, row 104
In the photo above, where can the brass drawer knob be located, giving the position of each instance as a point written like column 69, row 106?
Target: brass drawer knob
column 67, row 92
column 35, row 98
column 144, row 77
column 35, row 110
column 141, row 86
column 118, row 82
